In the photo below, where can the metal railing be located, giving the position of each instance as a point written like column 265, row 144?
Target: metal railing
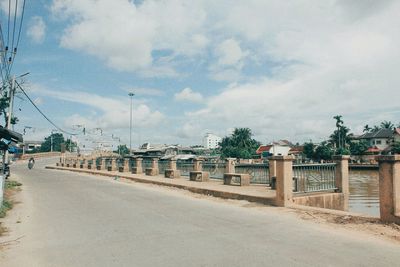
column 314, row 177
column 259, row 173
column 162, row 166
column 216, row 170
column 146, row 163
column 184, row 167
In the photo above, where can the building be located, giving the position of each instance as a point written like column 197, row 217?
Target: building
column 280, row 148
column 380, row 140
column 211, row 141
column 165, row 151
column 29, row 146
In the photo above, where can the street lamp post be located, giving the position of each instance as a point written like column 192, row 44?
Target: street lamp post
column 130, row 125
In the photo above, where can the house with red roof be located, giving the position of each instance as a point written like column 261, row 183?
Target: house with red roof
column 279, row 148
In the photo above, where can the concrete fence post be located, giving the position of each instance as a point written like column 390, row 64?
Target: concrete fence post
column 389, row 188
column 172, row 164
column 113, row 164
column 271, row 168
column 103, row 164
column 126, row 165
column 172, row 171
column 197, row 165
column 230, row 165
column 138, row 169
column 284, row 180
column 342, row 173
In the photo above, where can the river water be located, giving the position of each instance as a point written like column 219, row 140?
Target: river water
column 364, row 192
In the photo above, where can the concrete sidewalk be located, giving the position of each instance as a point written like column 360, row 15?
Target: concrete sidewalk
column 253, row 193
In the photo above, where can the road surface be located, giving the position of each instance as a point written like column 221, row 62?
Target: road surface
column 70, row 219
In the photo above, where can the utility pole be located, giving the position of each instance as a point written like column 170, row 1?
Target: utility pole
column 130, row 125
column 6, row 159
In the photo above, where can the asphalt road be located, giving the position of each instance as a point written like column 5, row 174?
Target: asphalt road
column 68, row 219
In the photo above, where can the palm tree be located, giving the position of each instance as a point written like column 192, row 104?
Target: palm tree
column 367, row 129
column 339, row 124
column 387, row 125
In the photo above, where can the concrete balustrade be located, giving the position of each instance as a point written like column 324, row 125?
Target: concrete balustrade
column 84, row 164
column 230, row 174
column 172, row 171
column 126, row 166
column 138, row 169
column 153, row 170
column 113, row 166
column 389, row 188
column 198, row 174
column 75, row 163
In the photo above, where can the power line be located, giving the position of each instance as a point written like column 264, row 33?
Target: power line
column 37, row 108
column 15, row 49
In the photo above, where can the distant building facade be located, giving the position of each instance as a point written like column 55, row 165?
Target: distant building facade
column 211, row 141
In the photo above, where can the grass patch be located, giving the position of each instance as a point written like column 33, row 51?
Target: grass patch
column 12, row 184
column 10, row 187
column 7, row 205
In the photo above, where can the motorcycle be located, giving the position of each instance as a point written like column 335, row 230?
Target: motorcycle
column 31, row 162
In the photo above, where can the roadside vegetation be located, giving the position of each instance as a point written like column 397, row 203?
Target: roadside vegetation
column 10, row 188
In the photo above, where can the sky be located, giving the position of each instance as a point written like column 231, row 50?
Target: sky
column 281, row 68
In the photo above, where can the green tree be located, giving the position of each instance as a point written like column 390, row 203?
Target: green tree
column 122, row 150
column 239, row 144
column 396, row 148
column 341, row 137
column 387, row 125
column 308, row 150
column 58, row 139
column 358, row 148
column 367, row 129
column 324, row 151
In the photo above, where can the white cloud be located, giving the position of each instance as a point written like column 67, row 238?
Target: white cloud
column 188, row 94
column 312, row 61
column 229, row 53
column 110, row 113
column 37, row 29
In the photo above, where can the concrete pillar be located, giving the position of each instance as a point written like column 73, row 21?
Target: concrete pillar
column 389, row 188
column 284, row 180
column 154, row 164
column 271, row 168
column 197, row 165
column 103, row 164
column 172, row 164
column 342, row 173
column 138, row 169
column 126, row 165
column 230, row 165
column 84, row 163
column 113, row 164
column 171, row 171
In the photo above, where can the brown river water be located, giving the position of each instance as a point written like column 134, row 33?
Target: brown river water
column 364, row 192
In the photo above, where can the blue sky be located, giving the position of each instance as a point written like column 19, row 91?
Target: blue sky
column 281, row 68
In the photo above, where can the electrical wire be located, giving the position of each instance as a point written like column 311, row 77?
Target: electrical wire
column 15, row 49
column 37, row 108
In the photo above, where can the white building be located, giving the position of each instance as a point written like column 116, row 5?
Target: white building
column 211, row 141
